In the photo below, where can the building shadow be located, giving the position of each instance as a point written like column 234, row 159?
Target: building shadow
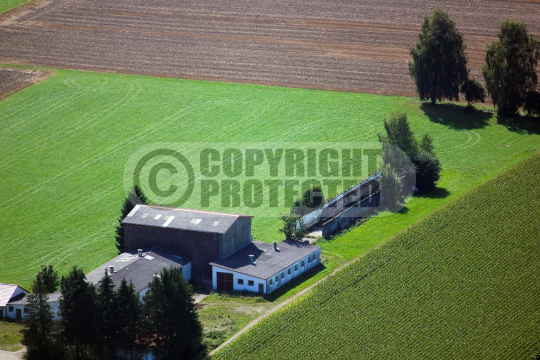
column 456, row 116
column 520, row 124
column 435, row 193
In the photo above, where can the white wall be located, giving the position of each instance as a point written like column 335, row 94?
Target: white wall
column 236, row 277
column 19, row 290
column 55, row 309
column 266, row 283
column 294, row 273
column 186, row 271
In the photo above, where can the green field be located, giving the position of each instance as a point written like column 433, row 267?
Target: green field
column 460, row 284
column 6, row 5
column 65, row 143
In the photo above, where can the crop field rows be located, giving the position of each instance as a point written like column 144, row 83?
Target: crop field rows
column 461, row 283
column 352, row 46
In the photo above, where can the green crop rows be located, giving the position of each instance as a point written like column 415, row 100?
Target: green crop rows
column 462, row 283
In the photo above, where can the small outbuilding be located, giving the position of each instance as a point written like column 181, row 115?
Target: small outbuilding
column 10, row 293
column 262, row 267
column 20, row 306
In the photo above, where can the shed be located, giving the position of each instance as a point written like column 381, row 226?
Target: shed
column 8, row 293
column 202, row 235
column 20, row 305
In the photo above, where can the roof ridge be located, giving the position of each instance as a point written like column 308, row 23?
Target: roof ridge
column 195, row 210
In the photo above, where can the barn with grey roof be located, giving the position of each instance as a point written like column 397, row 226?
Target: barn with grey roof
column 201, row 235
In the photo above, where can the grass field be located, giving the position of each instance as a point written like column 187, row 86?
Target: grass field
column 6, row 5
column 10, row 336
column 65, row 143
column 462, row 283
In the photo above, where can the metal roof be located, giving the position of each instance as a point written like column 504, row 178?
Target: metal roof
column 183, row 219
column 142, row 270
column 268, row 262
column 6, row 292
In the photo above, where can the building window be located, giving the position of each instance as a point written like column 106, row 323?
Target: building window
column 309, row 259
column 26, row 310
column 277, row 278
column 314, row 257
column 282, row 275
column 271, row 282
column 240, row 281
column 251, row 283
column 289, row 271
column 10, row 309
column 303, row 263
column 296, row 267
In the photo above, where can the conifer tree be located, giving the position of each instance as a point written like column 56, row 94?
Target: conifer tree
column 39, row 322
column 175, row 325
column 76, row 308
column 136, row 196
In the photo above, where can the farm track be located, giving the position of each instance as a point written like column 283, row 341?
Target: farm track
column 343, row 45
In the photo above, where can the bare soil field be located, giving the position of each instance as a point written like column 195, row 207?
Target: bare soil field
column 343, row 45
column 13, row 80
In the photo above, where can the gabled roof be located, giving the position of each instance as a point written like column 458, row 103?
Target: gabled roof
column 22, row 299
column 7, row 291
column 141, row 270
column 183, row 219
column 268, row 262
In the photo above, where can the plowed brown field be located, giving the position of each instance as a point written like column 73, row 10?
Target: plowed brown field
column 346, row 45
column 13, row 80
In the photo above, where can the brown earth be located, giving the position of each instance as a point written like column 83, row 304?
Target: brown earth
column 13, row 80
column 340, row 45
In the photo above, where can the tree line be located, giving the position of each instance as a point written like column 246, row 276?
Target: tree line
column 107, row 323
column 439, row 66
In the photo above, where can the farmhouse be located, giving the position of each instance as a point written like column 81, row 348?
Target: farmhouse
column 264, row 267
column 219, row 246
column 20, row 306
column 201, row 235
column 10, row 293
column 140, row 267
column 200, row 243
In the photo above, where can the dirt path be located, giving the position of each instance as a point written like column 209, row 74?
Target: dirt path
column 274, row 309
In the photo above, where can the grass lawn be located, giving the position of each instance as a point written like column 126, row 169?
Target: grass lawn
column 65, row 143
column 461, row 283
column 10, row 336
column 6, row 5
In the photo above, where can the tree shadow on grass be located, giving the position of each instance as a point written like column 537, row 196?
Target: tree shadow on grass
column 435, row 193
column 456, row 116
column 520, row 124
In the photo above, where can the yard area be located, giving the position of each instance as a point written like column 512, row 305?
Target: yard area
column 10, row 335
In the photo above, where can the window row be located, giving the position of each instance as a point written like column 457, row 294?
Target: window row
column 250, row 282
column 302, row 264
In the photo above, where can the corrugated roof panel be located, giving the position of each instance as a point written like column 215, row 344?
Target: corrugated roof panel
column 183, row 219
column 134, row 210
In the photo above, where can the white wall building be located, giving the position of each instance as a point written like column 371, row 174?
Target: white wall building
column 11, row 292
column 20, row 306
column 262, row 267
